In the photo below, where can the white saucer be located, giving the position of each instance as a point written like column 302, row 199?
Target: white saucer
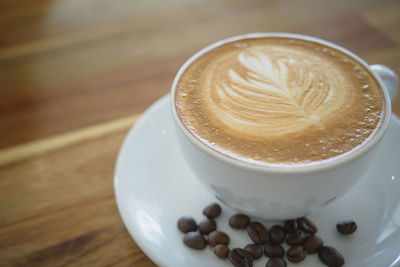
column 154, row 187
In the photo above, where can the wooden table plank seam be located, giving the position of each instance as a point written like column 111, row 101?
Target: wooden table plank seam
column 33, row 148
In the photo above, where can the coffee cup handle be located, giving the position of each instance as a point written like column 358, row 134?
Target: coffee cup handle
column 389, row 79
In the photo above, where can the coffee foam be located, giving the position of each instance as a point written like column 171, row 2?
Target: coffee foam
column 260, row 100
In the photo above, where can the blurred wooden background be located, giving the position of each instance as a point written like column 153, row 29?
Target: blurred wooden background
column 76, row 74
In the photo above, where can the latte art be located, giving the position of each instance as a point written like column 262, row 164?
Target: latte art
column 279, row 101
column 276, row 90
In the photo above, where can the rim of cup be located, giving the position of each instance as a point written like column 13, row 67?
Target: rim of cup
column 332, row 163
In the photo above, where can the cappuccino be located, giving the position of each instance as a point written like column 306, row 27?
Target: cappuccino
column 279, row 101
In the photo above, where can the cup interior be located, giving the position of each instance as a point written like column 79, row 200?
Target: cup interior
column 316, row 166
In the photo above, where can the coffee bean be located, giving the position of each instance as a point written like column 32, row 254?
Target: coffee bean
column 218, row 237
column 274, row 250
column 296, row 238
column 346, row 227
column 312, row 243
column 276, row 262
column 207, row 226
column 277, row 234
column 330, row 256
column 194, row 240
column 239, row 221
column 254, row 250
column 296, row 254
column 258, row 233
column 212, row 210
column 307, row 226
column 290, row 226
column 221, row 251
column 187, row 224
column 240, row 257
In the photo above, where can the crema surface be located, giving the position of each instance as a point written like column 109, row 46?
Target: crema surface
column 279, row 101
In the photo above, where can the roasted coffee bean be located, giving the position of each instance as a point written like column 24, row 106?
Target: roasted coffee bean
column 212, row 210
column 221, row 251
column 277, row 234
column 240, row 257
column 187, row 224
column 194, row 240
column 274, row 250
column 346, row 227
column 207, row 226
column 218, row 237
column 239, row 221
column 296, row 238
column 307, row 226
column 276, row 262
column 330, row 256
column 254, row 250
column 258, row 233
column 296, row 254
column 290, row 226
column 312, row 244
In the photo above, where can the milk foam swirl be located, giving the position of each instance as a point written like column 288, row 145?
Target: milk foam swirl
column 268, row 91
column 273, row 101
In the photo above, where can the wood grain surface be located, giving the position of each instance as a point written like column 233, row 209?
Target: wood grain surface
column 75, row 75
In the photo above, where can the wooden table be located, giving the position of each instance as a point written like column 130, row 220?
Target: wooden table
column 76, row 75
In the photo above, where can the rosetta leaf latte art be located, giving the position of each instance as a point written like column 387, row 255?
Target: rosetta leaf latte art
column 270, row 91
column 279, row 101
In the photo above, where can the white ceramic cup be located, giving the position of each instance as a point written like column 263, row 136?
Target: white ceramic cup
column 277, row 193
